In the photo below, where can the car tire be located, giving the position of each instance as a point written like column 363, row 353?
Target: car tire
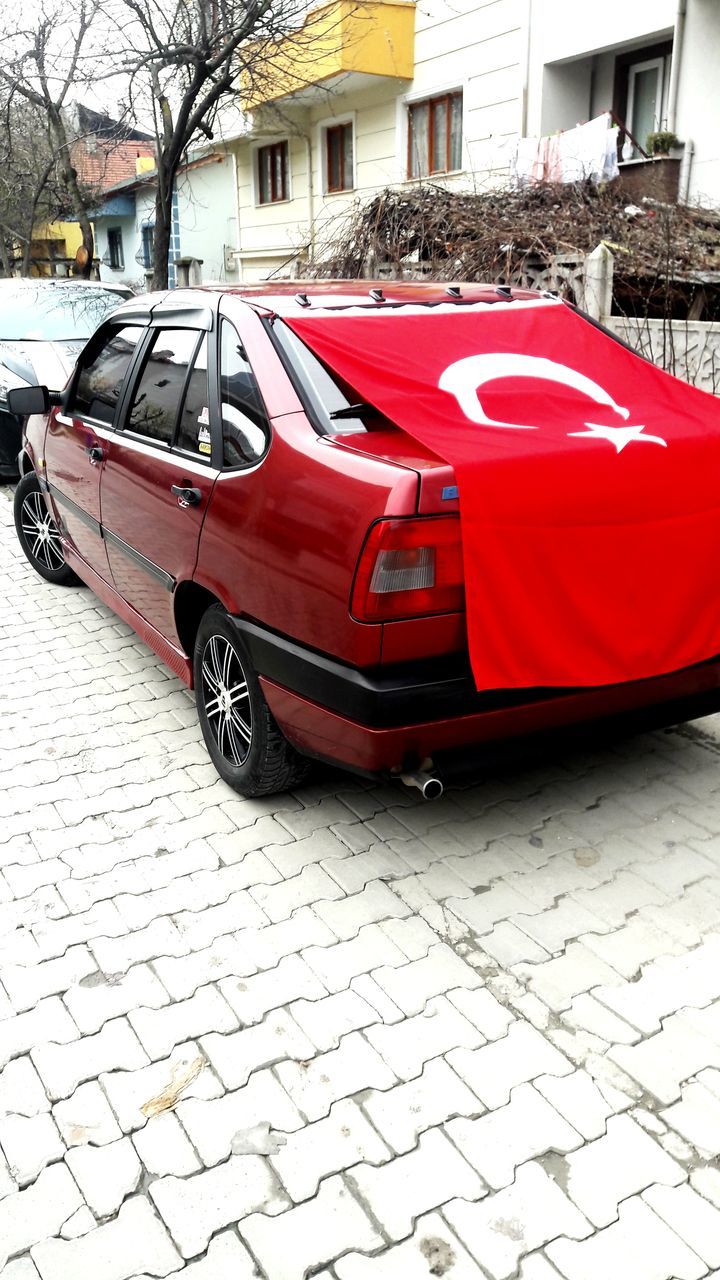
column 39, row 535
column 244, row 743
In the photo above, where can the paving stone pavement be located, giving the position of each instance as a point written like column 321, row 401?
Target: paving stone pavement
column 342, row 1033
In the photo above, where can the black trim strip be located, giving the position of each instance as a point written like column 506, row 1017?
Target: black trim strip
column 412, row 693
column 138, row 558
column 83, row 516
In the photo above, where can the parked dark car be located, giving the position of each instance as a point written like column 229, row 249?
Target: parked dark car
column 289, row 552
column 44, row 325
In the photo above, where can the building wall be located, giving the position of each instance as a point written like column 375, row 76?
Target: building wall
column 130, row 274
column 467, row 44
column 566, row 96
column 698, row 118
column 572, row 69
column 133, row 273
column 207, row 215
column 52, row 241
column 570, row 64
column 565, row 29
column 206, row 222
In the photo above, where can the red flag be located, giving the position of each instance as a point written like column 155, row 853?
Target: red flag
column 589, row 483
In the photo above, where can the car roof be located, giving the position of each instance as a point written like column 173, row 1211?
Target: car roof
column 294, row 297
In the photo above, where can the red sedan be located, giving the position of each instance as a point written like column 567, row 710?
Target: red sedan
column 286, row 547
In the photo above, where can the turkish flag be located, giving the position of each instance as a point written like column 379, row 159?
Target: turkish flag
column 589, row 483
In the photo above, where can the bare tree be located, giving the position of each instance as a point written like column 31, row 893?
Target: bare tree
column 187, row 58
column 40, row 64
column 28, row 186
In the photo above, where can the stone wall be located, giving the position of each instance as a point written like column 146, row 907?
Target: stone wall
column 688, row 348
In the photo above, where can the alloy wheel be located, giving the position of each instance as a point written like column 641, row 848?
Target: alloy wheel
column 41, row 532
column 226, row 699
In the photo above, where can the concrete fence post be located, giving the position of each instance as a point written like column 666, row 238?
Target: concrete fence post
column 598, row 282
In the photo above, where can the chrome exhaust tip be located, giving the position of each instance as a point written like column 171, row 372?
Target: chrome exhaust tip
column 430, row 787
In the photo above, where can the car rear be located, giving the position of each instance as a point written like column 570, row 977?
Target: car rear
column 417, row 699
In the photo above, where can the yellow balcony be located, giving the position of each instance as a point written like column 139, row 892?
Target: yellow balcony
column 337, row 40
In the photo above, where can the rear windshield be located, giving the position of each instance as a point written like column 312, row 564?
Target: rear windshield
column 322, row 392
column 54, row 313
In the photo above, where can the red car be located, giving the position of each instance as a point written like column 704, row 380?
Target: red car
column 292, row 554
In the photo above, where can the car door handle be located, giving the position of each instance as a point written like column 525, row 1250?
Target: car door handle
column 95, row 454
column 187, row 497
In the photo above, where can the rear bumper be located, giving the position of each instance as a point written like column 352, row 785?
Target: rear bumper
column 381, row 699
column 389, row 718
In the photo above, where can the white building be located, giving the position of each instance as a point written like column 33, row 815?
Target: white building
column 654, row 62
column 390, row 91
column 204, row 224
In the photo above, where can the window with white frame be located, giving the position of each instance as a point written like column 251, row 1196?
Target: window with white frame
column 435, row 135
column 339, row 157
column 640, row 95
column 273, row 170
column 647, row 90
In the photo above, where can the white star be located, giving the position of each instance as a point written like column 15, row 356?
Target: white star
column 619, row 436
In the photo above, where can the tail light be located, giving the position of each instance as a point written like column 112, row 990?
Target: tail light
column 408, row 569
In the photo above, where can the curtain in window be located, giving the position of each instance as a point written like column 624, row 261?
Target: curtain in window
column 456, row 131
column 347, row 156
column 419, row 140
column 334, row 159
column 279, row 172
column 439, row 159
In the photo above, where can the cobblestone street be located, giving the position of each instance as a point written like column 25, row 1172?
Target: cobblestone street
column 342, row 1032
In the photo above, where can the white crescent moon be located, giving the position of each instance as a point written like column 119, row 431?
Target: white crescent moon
column 464, row 378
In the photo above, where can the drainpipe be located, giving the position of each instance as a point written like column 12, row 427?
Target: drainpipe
column 678, row 38
column 310, row 197
column 526, row 71
column 238, row 260
column 685, row 167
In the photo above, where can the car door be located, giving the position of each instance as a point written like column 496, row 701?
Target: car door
column 77, row 438
column 158, row 474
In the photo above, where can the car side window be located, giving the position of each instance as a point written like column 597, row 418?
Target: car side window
column 245, row 426
column 102, row 373
column 193, row 433
column 159, row 392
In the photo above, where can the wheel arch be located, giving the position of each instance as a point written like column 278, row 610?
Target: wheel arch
column 191, row 601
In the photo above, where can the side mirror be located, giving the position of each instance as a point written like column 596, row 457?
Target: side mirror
column 24, row 401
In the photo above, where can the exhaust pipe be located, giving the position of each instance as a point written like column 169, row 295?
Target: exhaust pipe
column 430, row 786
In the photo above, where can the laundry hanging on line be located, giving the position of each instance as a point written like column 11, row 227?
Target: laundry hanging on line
column 587, row 151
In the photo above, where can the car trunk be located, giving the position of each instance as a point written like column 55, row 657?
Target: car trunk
column 437, row 488
column 587, row 477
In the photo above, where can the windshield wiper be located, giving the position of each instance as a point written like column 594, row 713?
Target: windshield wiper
column 353, row 410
